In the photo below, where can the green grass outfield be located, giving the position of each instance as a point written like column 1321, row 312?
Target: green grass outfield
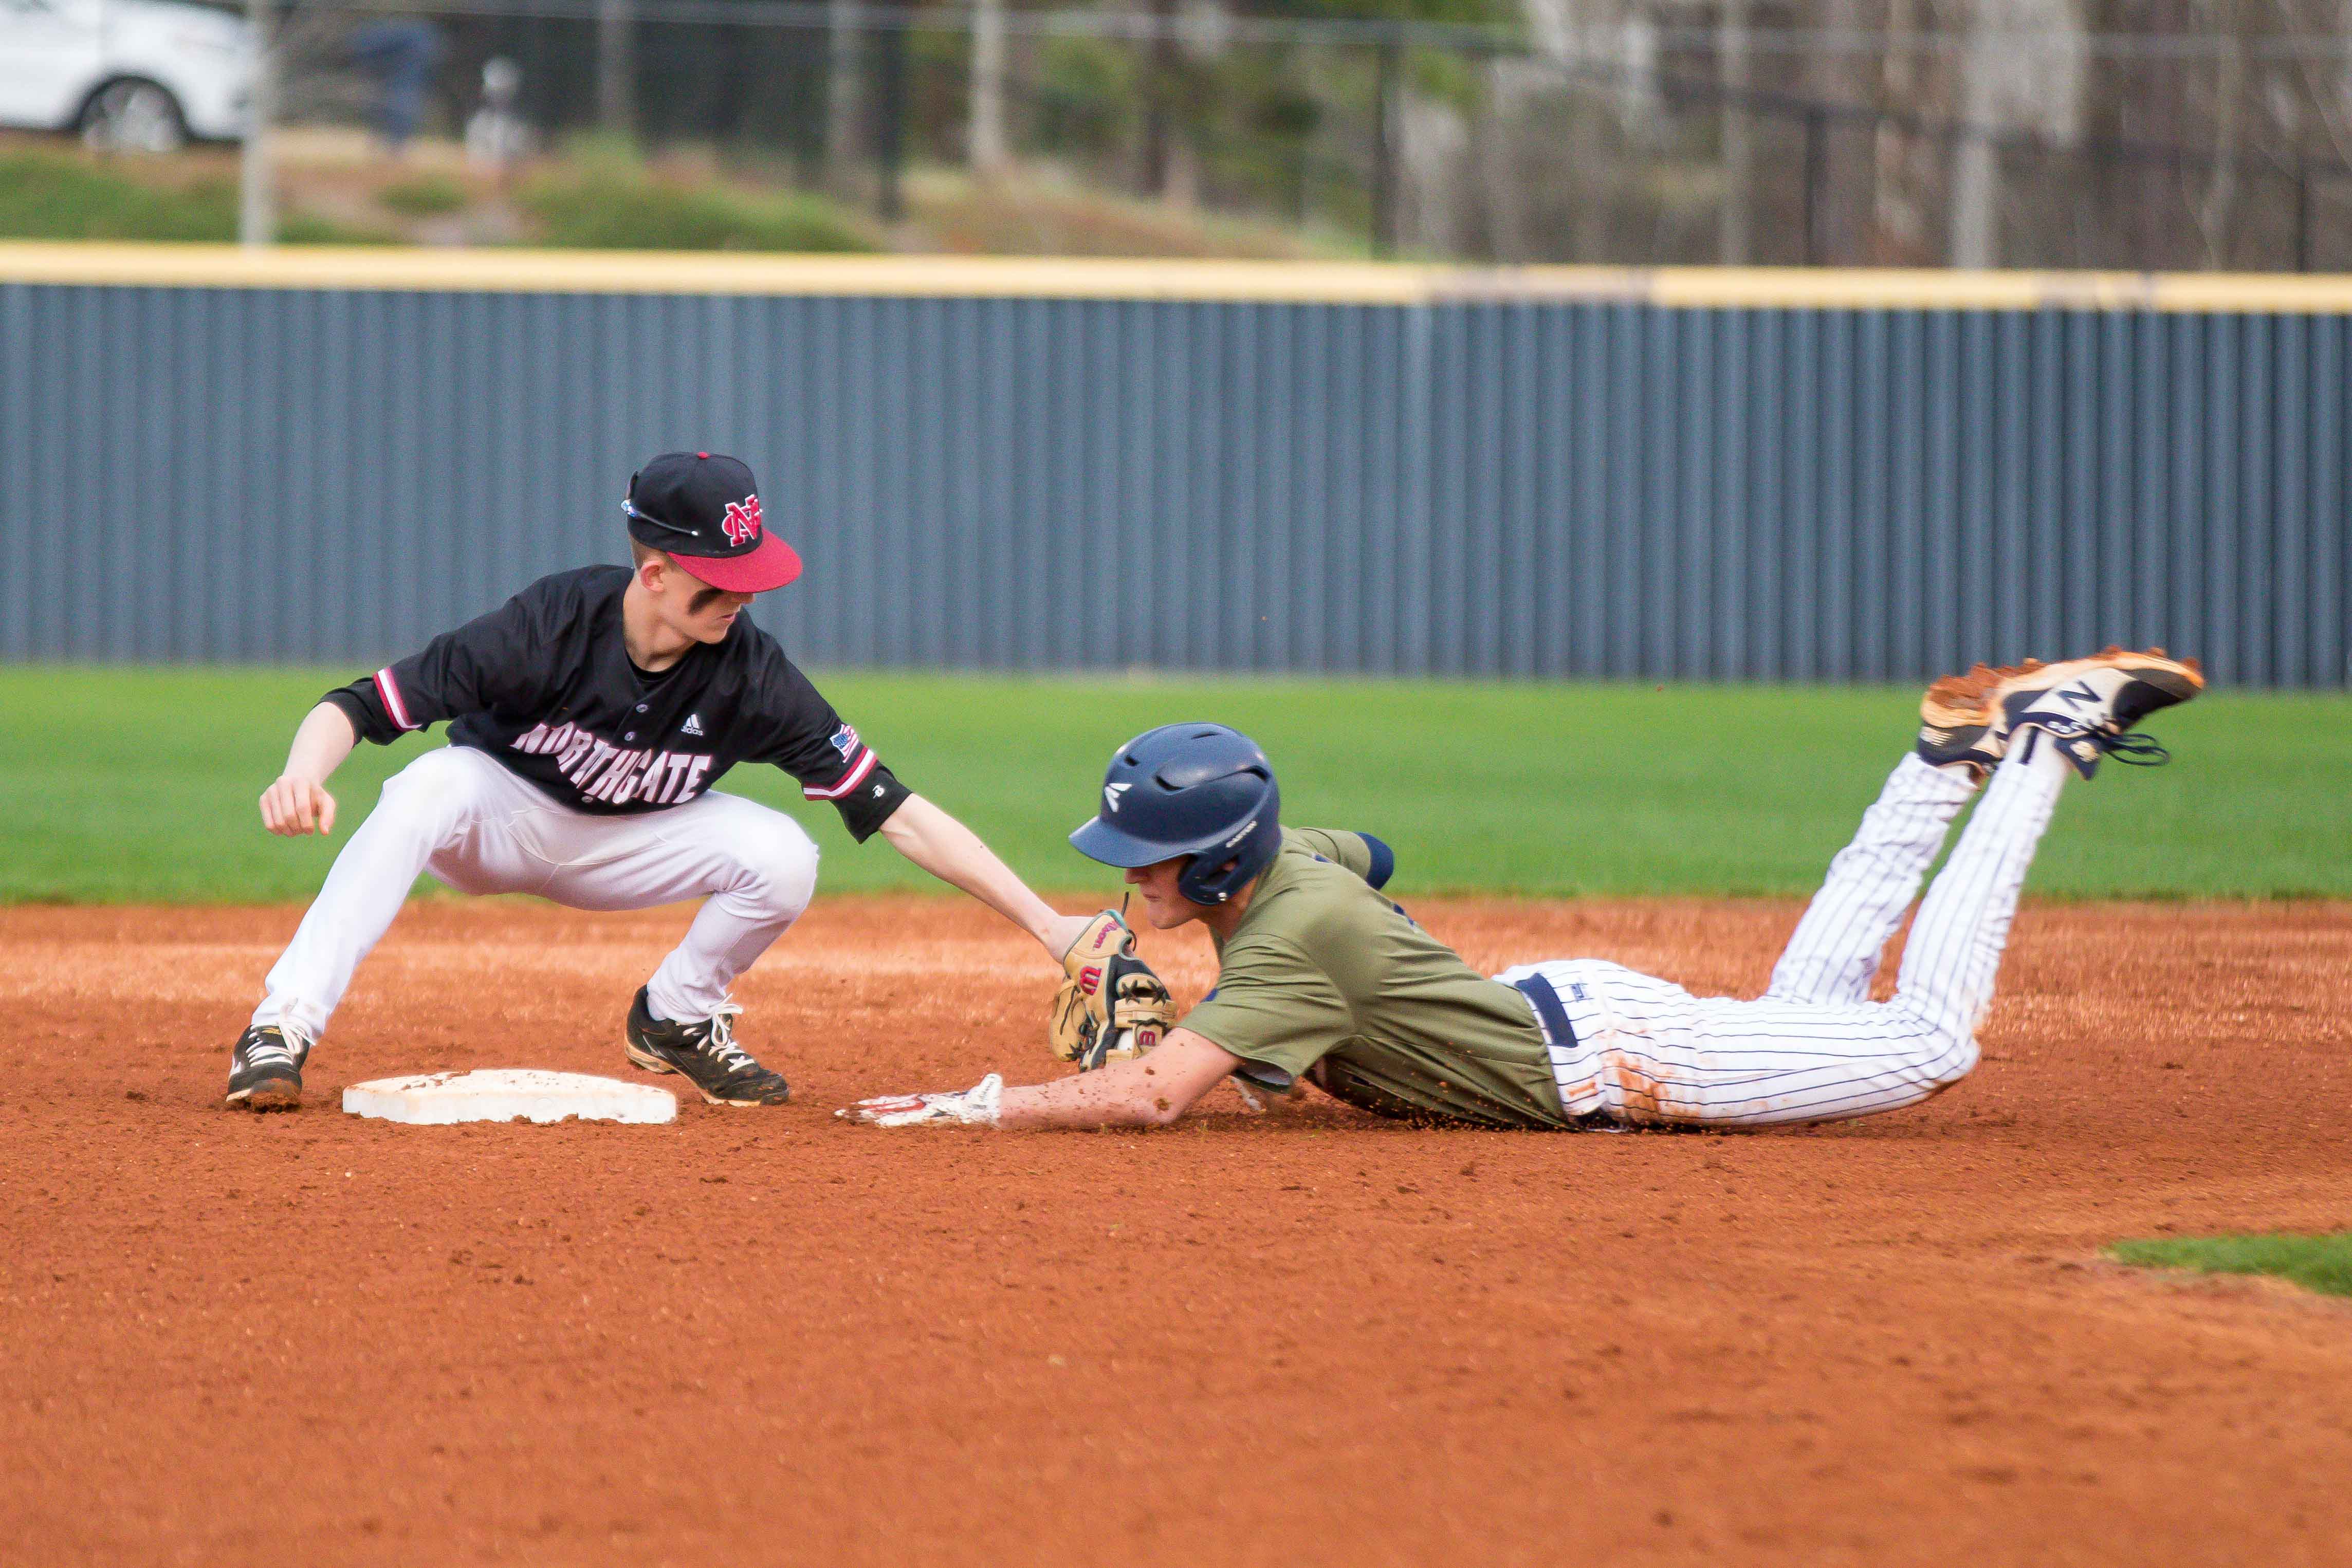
column 2316, row 1262
column 139, row 784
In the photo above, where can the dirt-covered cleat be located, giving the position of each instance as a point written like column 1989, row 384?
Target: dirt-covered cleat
column 265, row 1069
column 1960, row 719
column 704, row 1054
column 2087, row 708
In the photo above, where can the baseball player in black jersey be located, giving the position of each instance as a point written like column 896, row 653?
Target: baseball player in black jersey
column 590, row 715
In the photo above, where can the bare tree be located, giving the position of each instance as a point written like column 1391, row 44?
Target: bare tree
column 2023, row 68
column 1502, row 180
column 1840, row 180
column 1565, row 34
column 617, row 67
column 844, row 38
column 1736, row 236
column 2218, row 206
column 1907, row 168
column 2329, row 82
column 1156, row 173
column 1434, row 142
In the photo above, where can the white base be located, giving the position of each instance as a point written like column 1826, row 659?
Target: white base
column 509, row 1095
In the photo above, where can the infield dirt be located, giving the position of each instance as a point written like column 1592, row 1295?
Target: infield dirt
column 760, row 1336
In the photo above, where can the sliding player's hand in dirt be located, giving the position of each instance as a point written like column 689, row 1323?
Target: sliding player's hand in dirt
column 974, row 1107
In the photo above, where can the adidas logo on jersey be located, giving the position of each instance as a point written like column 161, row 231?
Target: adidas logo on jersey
column 693, row 725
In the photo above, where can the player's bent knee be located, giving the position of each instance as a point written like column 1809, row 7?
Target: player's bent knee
column 433, row 792
column 1952, row 1057
column 779, row 862
column 1935, row 1047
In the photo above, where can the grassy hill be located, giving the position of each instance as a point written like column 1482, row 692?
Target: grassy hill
column 594, row 194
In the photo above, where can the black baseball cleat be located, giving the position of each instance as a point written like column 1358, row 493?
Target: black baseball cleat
column 265, row 1069
column 704, row 1054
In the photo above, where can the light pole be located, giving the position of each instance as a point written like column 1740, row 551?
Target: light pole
column 256, row 207
column 986, row 141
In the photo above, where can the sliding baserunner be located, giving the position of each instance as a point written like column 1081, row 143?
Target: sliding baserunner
column 1321, row 978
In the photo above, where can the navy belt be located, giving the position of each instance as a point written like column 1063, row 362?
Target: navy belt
column 1561, row 1035
column 1549, row 1014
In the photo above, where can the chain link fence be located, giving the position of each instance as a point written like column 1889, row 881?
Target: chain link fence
column 1685, row 136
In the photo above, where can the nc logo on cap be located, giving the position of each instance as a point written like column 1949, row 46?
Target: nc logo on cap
column 741, row 520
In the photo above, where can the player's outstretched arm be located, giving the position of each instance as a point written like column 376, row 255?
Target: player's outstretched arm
column 1150, row 1091
column 299, row 800
column 954, row 853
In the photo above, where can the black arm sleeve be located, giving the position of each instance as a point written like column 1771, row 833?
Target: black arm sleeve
column 864, row 809
column 361, row 706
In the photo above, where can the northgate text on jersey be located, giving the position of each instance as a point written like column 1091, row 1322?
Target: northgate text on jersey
column 603, row 771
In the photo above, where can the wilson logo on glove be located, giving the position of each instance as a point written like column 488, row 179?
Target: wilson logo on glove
column 1111, row 1007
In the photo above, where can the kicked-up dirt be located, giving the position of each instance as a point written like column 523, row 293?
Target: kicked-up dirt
column 766, row 1336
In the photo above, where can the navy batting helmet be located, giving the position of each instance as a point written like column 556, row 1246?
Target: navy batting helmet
column 1199, row 790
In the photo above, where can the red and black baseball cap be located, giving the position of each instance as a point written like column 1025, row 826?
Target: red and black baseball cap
column 704, row 511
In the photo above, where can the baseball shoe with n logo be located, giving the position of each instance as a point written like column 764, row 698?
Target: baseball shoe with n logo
column 2087, row 707
column 704, row 1054
column 1960, row 718
column 265, row 1069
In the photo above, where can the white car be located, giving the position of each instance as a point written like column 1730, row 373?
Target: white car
column 137, row 75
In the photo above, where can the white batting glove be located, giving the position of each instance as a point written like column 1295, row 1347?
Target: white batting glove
column 974, row 1107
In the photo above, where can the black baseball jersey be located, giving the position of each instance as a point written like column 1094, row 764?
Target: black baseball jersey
column 544, row 683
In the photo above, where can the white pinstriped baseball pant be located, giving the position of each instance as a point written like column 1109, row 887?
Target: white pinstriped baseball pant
column 1814, row 1047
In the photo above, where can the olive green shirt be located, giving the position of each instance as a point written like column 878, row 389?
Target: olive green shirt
column 1324, row 972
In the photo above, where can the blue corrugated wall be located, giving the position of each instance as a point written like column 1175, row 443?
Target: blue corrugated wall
column 1517, row 488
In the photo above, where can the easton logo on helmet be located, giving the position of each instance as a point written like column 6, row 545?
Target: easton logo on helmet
column 1201, row 795
column 741, row 520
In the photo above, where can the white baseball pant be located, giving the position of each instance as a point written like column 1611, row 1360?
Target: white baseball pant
column 1814, row 1047
column 457, row 814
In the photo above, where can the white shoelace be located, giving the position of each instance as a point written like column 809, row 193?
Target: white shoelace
column 280, row 1049
column 730, row 1056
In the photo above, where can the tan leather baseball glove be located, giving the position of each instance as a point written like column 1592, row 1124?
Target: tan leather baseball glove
column 1112, row 1007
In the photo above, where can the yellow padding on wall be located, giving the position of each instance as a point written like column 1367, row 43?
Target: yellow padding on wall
column 1340, row 283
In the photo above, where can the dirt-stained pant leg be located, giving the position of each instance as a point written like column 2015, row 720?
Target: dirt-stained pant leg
column 458, row 815
column 1648, row 1052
